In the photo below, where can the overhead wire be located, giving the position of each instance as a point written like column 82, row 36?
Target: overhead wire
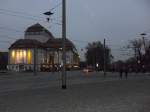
column 21, row 16
column 21, row 13
column 4, row 41
column 30, row 16
column 8, row 37
column 11, row 29
column 56, row 6
column 26, row 15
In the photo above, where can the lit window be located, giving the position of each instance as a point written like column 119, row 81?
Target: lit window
column 13, row 54
column 17, row 57
column 29, row 56
column 24, row 53
column 20, row 53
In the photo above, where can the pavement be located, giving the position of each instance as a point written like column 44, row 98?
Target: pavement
column 12, row 81
column 24, row 92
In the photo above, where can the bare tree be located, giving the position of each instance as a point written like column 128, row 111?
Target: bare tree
column 136, row 45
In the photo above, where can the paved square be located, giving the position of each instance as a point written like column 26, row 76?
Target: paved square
column 85, row 95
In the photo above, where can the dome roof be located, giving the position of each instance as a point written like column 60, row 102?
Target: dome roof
column 38, row 28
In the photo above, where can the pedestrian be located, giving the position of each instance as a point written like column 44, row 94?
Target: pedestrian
column 126, row 72
column 121, row 71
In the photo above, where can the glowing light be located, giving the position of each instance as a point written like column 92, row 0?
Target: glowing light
column 76, row 66
column 13, row 54
column 29, row 56
column 17, row 57
column 24, row 54
column 97, row 65
column 21, row 54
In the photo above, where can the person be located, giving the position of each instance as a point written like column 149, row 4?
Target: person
column 126, row 72
column 121, row 71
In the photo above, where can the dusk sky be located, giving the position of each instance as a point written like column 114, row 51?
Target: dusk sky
column 87, row 20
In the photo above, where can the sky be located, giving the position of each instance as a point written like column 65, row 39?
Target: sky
column 118, row 21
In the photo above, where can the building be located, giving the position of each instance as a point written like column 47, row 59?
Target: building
column 3, row 60
column 40, row 50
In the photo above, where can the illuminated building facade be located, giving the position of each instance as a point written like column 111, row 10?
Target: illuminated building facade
column 39, row 48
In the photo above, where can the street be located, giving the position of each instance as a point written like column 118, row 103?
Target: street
column 85, row 93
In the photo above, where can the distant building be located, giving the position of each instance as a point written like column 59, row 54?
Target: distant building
column 39, row 47
column 3, row 60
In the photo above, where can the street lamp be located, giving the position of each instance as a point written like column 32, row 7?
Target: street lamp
column 49, row 13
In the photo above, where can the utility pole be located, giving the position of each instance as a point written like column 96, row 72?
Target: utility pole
column 143, row 37
column 104, row 57
column 63, row 41
column 63, row 44
column 144, row 43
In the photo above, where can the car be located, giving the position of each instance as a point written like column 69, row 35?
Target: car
column 88, row 69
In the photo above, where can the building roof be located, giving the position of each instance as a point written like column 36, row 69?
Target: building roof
column 38, row 28
column 51, row 43
column 57, row 43
column 26, row 43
